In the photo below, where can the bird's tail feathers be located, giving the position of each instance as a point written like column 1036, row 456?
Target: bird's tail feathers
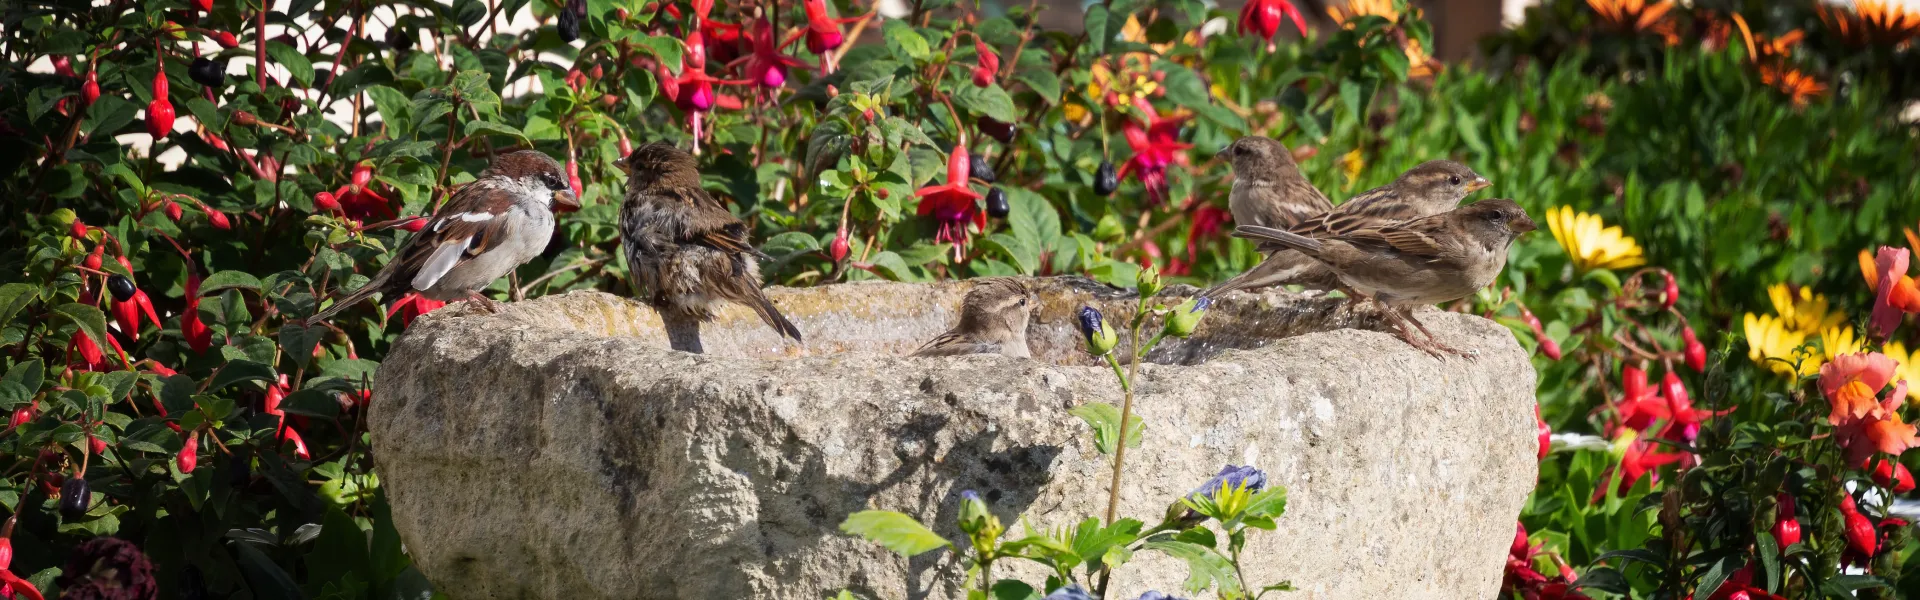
column 1275, row 270
column 1278, row 236
column 366, row 291
column 773, row 317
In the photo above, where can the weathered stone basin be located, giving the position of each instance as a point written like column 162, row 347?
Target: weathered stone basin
column 560, row 450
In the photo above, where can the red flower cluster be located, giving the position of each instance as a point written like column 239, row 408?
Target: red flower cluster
column 1156, row 144
column 1523, row 581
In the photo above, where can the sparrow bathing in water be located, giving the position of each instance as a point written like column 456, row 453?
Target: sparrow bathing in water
column 1429, row 260
column 1431, row 188
column 687, row 252
column 993, row 319
column 488, row 228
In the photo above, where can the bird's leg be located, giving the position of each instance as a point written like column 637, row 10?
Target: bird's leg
column 486, row 303
column 683, row 332
column 1431, row 344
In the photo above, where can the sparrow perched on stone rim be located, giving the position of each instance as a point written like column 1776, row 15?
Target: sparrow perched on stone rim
column 993, row 319
column 486, row 229
column 686, row 251
column 1268, row 189
column 1430, row 260
column 1430, row 188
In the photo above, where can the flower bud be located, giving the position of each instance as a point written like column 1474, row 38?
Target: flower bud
column 159, row 117
column 189, row 456
column 245, row 119
column 325, row 202
column 1893, row 476
column 1149, row 282
column 217, row 218
column 1695, row 351
column 90, row 91
column 838, row 249
column 1546, row 433
column 1786, row 532
column 96, row 445
column 1185, row 318
column 21, row 416
column 225, row 40
column 1671, row 293
column 75, row 498
column 1100, row 338
column 173, row 210
column 973, row 512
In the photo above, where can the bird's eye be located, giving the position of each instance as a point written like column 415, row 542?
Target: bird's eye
column 1453, row 179
column 552, row 182
column 1497, row 217
column 1023, row 301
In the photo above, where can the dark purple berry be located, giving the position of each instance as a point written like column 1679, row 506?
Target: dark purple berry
column 997, row 206
column 569, row 26
column 75, row 497
column 120, row 287
column 1105, row 181
column 996, row 130
column 981, row 169
column 208, row 73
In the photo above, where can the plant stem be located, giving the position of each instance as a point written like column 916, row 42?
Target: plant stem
column 1126, row 413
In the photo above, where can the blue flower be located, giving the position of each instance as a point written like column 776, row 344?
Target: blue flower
column 1155, row 595
column 1233, row 476
column 1100, row 339
column 1071, row 592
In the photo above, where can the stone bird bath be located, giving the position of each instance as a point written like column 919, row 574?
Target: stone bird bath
column 560, row 450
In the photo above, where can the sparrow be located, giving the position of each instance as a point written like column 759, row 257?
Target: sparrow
column 486, row 229
column 993, row 319
column 687, row 252
column 1268, row 189
column 1423, row 261
column 1431, row 188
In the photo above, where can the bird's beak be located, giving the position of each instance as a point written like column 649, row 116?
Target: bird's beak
column 1478, row 183
column 622, row 165
column 1222, row 154
column 565, row 201
column 1521, row 226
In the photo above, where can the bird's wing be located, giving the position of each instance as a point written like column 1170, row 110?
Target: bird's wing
column 709, row 223
column 1281, row 204
column 952, row 343
column 474, row 221
column 1418, row 241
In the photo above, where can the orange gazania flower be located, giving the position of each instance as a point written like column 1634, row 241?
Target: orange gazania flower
column 1871, row 22
column 1852, row 383
column 1637, row 16
column 1420, row 64
column 1770, row 56
column 1800, row 88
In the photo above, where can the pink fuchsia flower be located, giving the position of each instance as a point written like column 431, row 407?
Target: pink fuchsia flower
column 953, row 206
column 1262, row 18
column 1155, row 146
column 1852, row 381
column 766, row 66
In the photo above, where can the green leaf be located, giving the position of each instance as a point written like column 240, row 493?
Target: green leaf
column 991, row 102
column 90, row 320
column 13, row 297
column 226, row 280
column 1183, row 86
column 484, row 127
column 1023, row 254
column 666, row 48
column 1091, row 541
column 896, row 531
column 297, row 342
column 1096, row 28
column 240, row 371
column 394, row 108
column 340, row 550
column 1042, row 82
column 1105, row 420
column 352, row 369
column 904, row 42
column 267, row 580
column 295, row 62
column 1205, row 568
column 1270, row 502
column 1009, row 589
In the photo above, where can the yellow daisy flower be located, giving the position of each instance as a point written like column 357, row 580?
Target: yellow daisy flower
column 1768, row 338
column 1591, row 243
column 1835, row 341
column 1351, row 164
column 1802, row 310
column 1908, row 368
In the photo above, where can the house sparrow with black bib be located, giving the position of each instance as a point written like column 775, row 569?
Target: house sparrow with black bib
column 1268, row 189
column 687, row 252
column 489, row 227
column 1429, row 260
column 1431, row 188
column 993, row 319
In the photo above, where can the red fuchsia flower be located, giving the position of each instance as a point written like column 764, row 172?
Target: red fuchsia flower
column 838, row 249
column 1686, row 418
column 199, row 337
column 1546, row 433
column 1863, row 543
column 1894, row 292
column 62, row 65
column 983, row 74
column 160, row 111
column 362, row 203
column 90, row 357
column 299, row 445
column 954, row 206
column 1637, row 462
column 766, row 66
column 1208, row 224
column 1155, row 146
column 823, row 33
column 10, row 584
column 189, row 456
column 1639, row 408
column 276, row 394
column 1695, row 352
column 1786, row 532
column 1893, row 476
column 413, row 305
column 225, row 40
column 90, row 91
column 1262, row 18
column 1671, row 292
column 1548, row 347
column 413, row 225
column 326, row 202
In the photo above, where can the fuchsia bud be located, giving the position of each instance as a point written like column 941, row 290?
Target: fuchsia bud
column 97, row 445
column 77, row 230
column 1861, row 538
column 217, row 218
column 189, row 456
column 90, row 91
column 1696, row 352
column 989, row 63
column 326, row 202
column 1786, row 532
column 414, row 225
column 173, row 210
column 63, row 66
column 21, row 416
column 225, row 40
column 573, row 177
column 362, row 175
column 1546, row 433
column 838, row 249
column 1671, row 293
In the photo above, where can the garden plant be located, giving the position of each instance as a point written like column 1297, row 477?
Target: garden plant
column 1716, row 305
